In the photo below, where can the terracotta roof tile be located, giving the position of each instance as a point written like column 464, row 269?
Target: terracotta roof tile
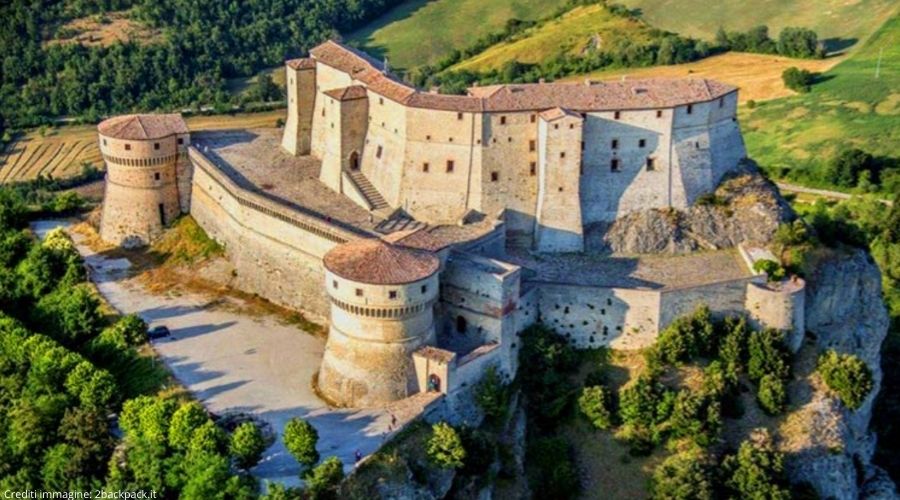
column 591, row 96
column 377, row 262
column 348, row 93
column 557, row 113
column 302, row 63
column 421, row 239
column 143, row 127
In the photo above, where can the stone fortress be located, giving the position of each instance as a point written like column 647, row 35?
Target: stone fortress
column 429, row 230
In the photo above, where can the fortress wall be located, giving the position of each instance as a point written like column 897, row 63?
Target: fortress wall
column 507, row 140
column 724, row 297
column 606, row 194
column 386, row 130
column 436, row 137
column 272, row 257
column 591, row 317
column 779, row 307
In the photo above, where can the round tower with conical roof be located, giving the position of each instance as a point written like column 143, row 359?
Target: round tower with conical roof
column 147, row 176
column 382, row 301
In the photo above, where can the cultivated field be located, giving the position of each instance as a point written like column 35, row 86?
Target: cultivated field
column 570, row 33
column 757, row 75
column 841, row 20
column 60, row 152
column 849, row 107
column 422, row 31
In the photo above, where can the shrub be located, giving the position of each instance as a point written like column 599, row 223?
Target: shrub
column 638, row 402
column 445, row 448
column 772, row 269
column 129, row 331
column 757, row 470
column 772, row 395
column 247, row 445
column 733, row 348
column 845, row 168
column 492, row 395
column 595, row 404
column 324, row 479
column 846, row 375
column 300, row 439
column 71, row 315
column 187, row 418
column 687, row 337
column 697, row 416
column 682, row 476
column 767, row 355
column 796, row 79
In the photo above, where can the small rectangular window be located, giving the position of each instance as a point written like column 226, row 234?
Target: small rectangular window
column 155, row 145
column 424, row 288
column 532, row 145
column 180, row 141
column 156, row 176
column 359, row 292
column 533, row 118
column 582, row 145
column 555, row 126
column 381, row 100
column 459, row 116
column 104, row 142
column 425, row 167
column 642, row 143
column 449, row 166
column 502, row 120
column 495, row 176
column 334, row 284
column 128, row 147
column 614, row 164
column 427, row 137
column 392, row 294
column 378, row 152
column 659, row 113
column 617, row 115
column 650, row 165
column 323, row 111
column 721, row 102
column 690, row 108
column 562, row 154
column 615, row 144
column 532, row 168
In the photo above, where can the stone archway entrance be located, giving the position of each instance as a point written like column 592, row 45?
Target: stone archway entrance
column 434, row 383
column 354, row 161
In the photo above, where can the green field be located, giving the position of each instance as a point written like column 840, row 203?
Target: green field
column 422, row 31
column 849, row 107
column 834, row 19
column 568, row 34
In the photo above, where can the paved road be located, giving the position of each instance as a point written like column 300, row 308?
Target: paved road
column 239, row 363
column 836, row 195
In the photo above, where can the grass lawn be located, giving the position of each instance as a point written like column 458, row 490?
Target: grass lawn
column 422, row 31
column 568, row 34
column 757, row 75
column 839, row 20
column 848, row 107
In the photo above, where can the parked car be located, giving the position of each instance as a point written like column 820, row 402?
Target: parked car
column 158, row 332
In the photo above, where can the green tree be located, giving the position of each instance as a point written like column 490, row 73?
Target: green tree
column 772, row 395
column 186, row 420
column 300, row 439
column 845, row 168
column 796, row 79
column 847, row 375
column 247, row 445
column 324, row 479
column 129, row 331
column 686, row 475
column 554, row 472
column 757, row 470
column 595, row 404
column 767, row 355
column 445, row 448
column 492, row 395
column 70, row 315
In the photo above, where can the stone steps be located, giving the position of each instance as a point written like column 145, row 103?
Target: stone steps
column 368, row 190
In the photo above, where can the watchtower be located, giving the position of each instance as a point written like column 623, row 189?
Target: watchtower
column 148, row 176
column 382, row 300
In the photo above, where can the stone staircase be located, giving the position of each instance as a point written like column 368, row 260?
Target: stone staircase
column 376, row 201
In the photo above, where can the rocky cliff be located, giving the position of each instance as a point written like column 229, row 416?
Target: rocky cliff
column 746, row 208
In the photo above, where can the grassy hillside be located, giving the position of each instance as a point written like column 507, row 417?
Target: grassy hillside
column 757, row 75
column 570, row 34
column 422, row 31
column 830, row 18
column 849, row 107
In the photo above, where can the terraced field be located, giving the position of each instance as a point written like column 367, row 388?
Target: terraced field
column 61, row 152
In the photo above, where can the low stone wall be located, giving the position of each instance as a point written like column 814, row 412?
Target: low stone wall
column 277, row 253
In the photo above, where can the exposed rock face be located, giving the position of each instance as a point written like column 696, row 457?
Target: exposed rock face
column 745, row 209
column 845, row 312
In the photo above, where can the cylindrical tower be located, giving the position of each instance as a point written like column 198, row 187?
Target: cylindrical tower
column 146, row 176
column 382, row 300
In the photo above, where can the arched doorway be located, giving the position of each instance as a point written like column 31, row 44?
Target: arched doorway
column 354, row 161
column 434, row 383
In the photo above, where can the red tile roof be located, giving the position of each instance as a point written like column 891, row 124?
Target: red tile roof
column 590, row 96
column 376, row 262
column 348, row 93
column 302, row 63
column 142, row 127
column 435, row 354
column 557, row 113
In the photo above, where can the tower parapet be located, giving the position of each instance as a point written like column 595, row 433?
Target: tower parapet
column 148, row 176
column 301, row 95
column 382, row 300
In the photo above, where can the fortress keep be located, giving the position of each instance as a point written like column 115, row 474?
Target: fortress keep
column 429, row 230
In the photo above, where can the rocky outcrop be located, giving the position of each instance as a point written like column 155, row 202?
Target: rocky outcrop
column 746, row 208
column 845, row 312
